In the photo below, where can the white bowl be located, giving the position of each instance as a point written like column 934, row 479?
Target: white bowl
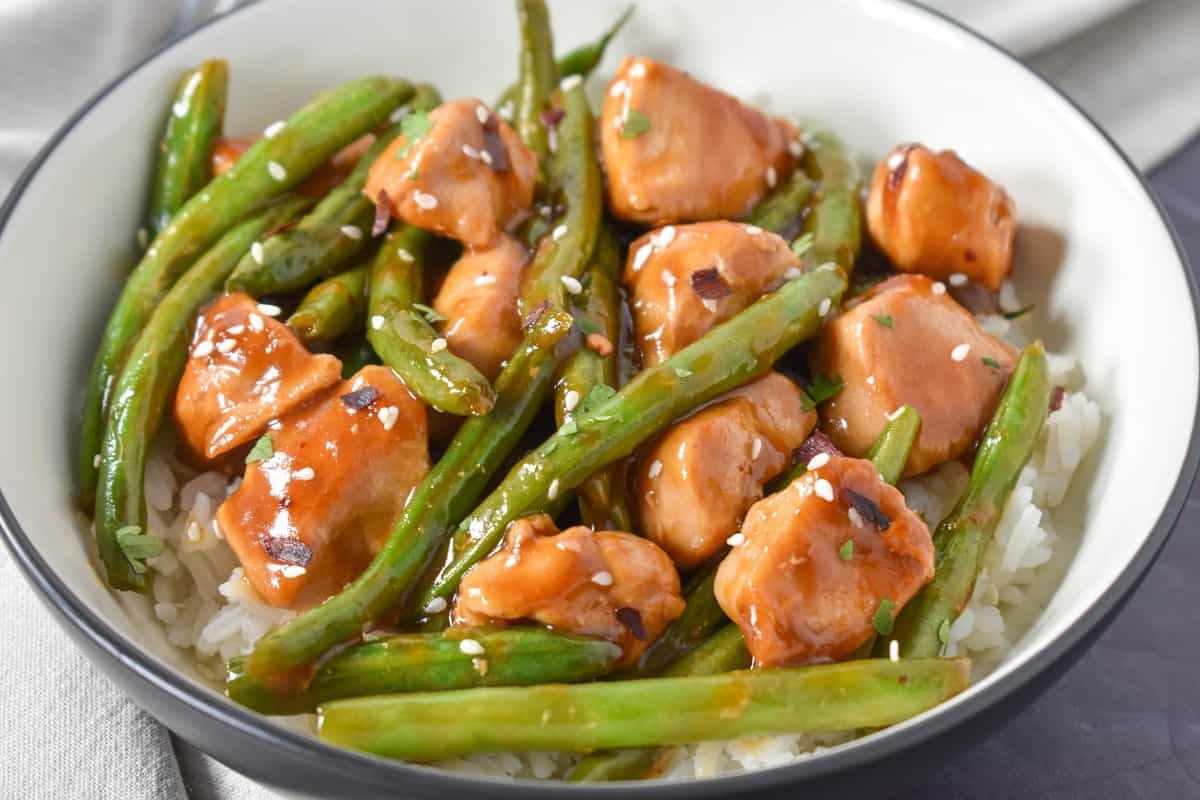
column 1094, row 253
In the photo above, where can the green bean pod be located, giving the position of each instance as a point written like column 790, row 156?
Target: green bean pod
column 146, row 384
column 405, row 340
column 436, row 662
column 890, row 451
column 355, row 352
column 782, row 211
column 194, row 121
column 582, row 717
column 537, row 78
column 701, row 616
column 835, row 221
column 962, row 538
column 332, row 308
column 267, row 170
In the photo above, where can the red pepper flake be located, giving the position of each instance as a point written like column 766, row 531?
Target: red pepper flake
column 493, row 145
column 552, row 116
column 286, row 551
column 534, row 315
column 383, row 213
column 631, row 618
column 970, row 255
column 599, row 343
column 903, row 679
column 868, row 509
column 360, row 398
column 1056, row 398
column 816, row 442
column 709, row 284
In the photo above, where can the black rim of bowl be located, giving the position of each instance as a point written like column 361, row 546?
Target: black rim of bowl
column 386, row 774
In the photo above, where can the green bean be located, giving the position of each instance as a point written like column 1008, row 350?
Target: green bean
column 582, row 717
column 537, row 78
column 701, row 616
column 404, row 338
column 782, row 211
column 144, row 389
column 961, row 539
column 603, row 503
column 890, row 451
column 332, row 308
column 432, row 662
column 194, row 122
column 334, row 233
column 835, row 221
column 355, row 353
column 268, row 169
column 724, row 358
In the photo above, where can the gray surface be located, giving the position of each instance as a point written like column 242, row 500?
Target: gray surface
column 1125, row 720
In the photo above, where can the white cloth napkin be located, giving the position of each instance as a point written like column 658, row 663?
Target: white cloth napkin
column 1133, row 64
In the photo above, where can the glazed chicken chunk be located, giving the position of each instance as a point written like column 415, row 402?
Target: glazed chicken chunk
column 244, row 369
column 310, row 515
column 932, row 213
column 678, row 150
column 686, row 280
column 696, row 482
column 469, row 176
column 607, row 584
column 906, row 342
column 479, row 301
column 819, row 561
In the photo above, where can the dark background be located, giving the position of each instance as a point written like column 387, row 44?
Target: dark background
column 1125, row 720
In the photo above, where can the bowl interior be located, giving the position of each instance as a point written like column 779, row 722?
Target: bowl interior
column 1093, row 253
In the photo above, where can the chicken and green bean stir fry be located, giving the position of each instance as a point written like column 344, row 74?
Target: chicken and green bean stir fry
column 567, row 422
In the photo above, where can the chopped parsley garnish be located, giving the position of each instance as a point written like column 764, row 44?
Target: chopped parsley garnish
column 596, row 397
column 885, row 320
column 263, row 449
column 636, row 123
column 944, row 631
column 683, row 372
column 991, row 362
column 1020, row 312
column 138, row 546
column 846, row 551
column 414, row 125
column 819, row 390
column 883, row 619
column 428, row 313
column 803, row 244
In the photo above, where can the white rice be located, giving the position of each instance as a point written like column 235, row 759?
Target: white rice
column 208, row 608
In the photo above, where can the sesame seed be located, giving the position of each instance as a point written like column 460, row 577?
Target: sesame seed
column 96, row 460
column 256, row 252
column 894, row 650
column 471, row 647
column 960, row 352
column 709, row 303
column 818, row 461
column 236, row 330
column 828, row 266
column 225, row 345
column 825, row 306
column 939, row 287
column 485, row 157
column 304, row 474
column 638, row 70
column 603, row 578
column 558, row 232
column 772, row 177
column 424, row 200
column 753, row 230
column 273, row 128
column 618, row 88
column 855, row 518
column 796, row 148
column 377, row 322
column 756, row 448
column 570, row 82
column 256, row 322
column 665, row 237
column 639, row 258
column 398, row 114
column 552, row 490
column 143, row 238
column 388, row 416
column 292, row 571
column 506, row 110
column 274, row 424
column 481, row 114
column 870, row 380
column 737, row 540
column 668, row 278
column 552, row 140
column 655, row 469
column 792, row 273
column 404, row 255
column 470, row 152
column 896, row 159
column 824, row 489
column 572, row 285
column 269, row 309
column 570, row 400
column 277, row 171
column 437, row 345
column 352, row 232
column 436, row 606
column 485, row 280
column 203, row 349
column 958, row 279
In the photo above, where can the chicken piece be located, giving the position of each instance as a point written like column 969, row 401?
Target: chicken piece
column 478, row 298
column 678, row 150
column 309, row 518
column 608, row 584
column 698, row 479
column 931, row 354
column 931, row 213
column 685, row 281
column 228, row 149
column 244, row 369
column 818, row 561
column 469, row 177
